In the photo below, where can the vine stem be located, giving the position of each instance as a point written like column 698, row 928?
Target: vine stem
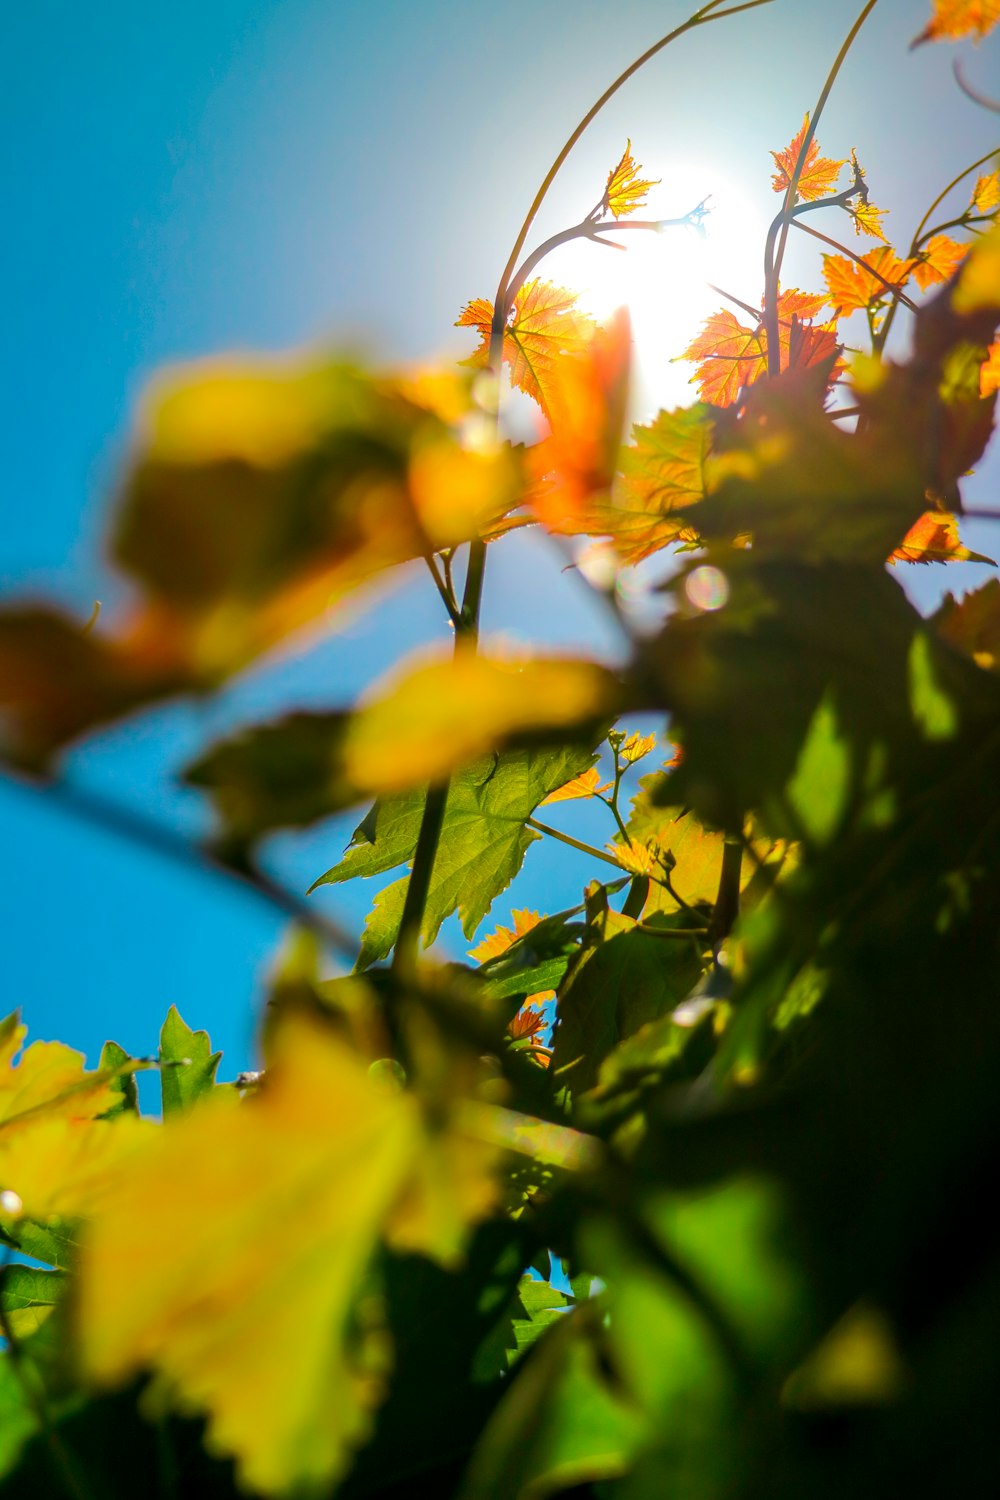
column 772, row 261
column 407, row 945
column 859, row 260
column 112, row 817
column 707, row 13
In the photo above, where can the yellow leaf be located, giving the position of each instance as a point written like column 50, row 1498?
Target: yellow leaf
column 636, row 858
column 498, row 942
column 979, row 280
column 636, row 747
column 48, row 1080
column 989, row 373
column 444, row 713
column 543, row 324
column 587, row 784
column 986, row 193
column 243, row 1232
column 868, row 219
column 55, row 1155
column 625, row 191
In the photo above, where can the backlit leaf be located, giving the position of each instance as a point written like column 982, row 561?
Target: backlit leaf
column 269, row 1212
column 867, row 219
column 483, row 839
column 938, row 261
column 663, row 467
column 574, row 466
column 49, row 1080
column 625, row 191
column 28, row 1296
column 934, row 538
column 852, row 285
column 954, row 19
column 731, row 356
column 586, row 785
column 499, row 941
column 819, row 174
column 989, row 374
column 543, row 324
column 986, row 193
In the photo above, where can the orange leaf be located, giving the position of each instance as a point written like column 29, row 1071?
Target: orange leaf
column 953, row 19
column 986, row 193
column 989, row 373
column 498, row 942
column 576, row 463
column 732, row 356
column 819, row 173
column 542, row 325
column 586, row 785
column 939, row 259
column 625, row 191
column 851, row 283
column 934, row 538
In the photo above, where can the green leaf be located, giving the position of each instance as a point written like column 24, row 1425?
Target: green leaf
column 537, row 961
column 382, row 924
column 28, row 1296
column 483, row 838
column 113, row 1056
column 539, row 1305
column 562, row 1423
column 18, row 1420
column 187, row 1063
column 626, row 977
column 55, row 1243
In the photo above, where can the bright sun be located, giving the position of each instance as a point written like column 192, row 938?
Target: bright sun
column 664, row 279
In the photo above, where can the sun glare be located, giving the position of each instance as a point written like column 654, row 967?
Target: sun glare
column 664, row 279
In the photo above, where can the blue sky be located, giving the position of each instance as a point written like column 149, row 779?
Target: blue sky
column 184, row 178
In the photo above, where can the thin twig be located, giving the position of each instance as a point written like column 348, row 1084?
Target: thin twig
column 124, row 822
column 890, row 286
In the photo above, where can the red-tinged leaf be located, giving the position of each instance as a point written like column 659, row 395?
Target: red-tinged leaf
column 819, row 173
column 954, row 19
column 972, row 623
column 588, row 784
column 731, row 356
column 498, row 942
column 986, row 193
column 530, row 1022
column 625, row 191
column 939, row 259
column 543, row 324
column 574, row 466
column 934, row 538
column 853, row 285
column 989, row 373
